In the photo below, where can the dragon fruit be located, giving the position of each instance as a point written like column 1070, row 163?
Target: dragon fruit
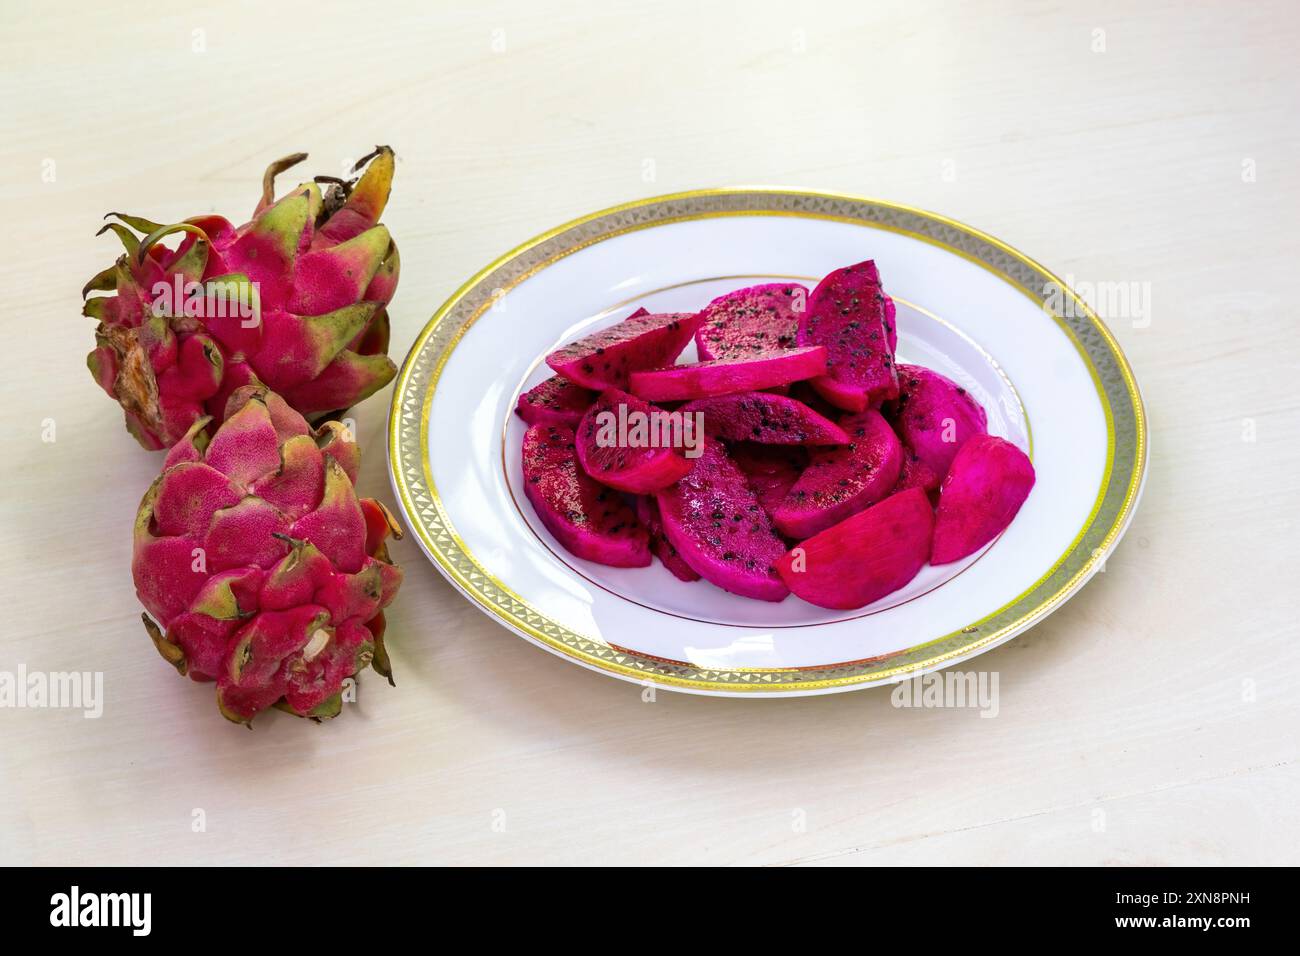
column 645, row 463
column 294, row 299
column 766, row 418
column 865, row 557
column 842, row 480
column 591, row 521
column 727, row 376
column 989, row 480
column 935, row 416
column 556, row 401
column 847, row 314
column 915, row 474
column 647, row 510
column 771, row 470
column 749, row 322
column 261, row 567
column 604, row 359
column 713, row 518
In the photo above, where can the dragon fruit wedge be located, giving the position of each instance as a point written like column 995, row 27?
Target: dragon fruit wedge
column 589, row 520
column 727, row 376
column 935, row 416
column 294, row 300
column 647, row 510
column 261, row 567
column 989, row 480
column 841, row 480
column 771, row 470
column 556, row 401
column 766, row 418
column 847, row 313
column 604, row 359
column 715, row 522
column 865, row 557
column 643, row 463
column 751, row 321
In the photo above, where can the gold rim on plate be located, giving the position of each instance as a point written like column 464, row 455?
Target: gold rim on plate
column 1121, row 484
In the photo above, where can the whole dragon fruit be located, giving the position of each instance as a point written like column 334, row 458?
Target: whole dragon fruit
column 263, row 570
column 294, row 299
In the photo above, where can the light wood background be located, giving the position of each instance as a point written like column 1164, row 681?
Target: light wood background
column 1152, row 720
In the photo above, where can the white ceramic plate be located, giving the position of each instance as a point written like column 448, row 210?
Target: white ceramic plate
column 1048, row 372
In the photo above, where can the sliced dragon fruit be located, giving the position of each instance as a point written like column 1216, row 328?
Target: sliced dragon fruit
column 865, row 557
column 766, row 418
column 556, row 401
column 989, row 480
column 713, row 518
column 749, row 322
column 727, row 376
column 647, row 510
column 772, row 470
column 591, row 521
column 914, row 474
column 846, row 313
column 841, row 480
column 935, row 416
column 627, row 444
column 604, row 359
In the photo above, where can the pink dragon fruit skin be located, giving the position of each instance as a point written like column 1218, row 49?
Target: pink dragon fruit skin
column 604, row 359
column 865, row 557
column 312, row 274
column 713, row 518
column 589, row 520
column 935, row 416
column 728, row 376
column 636, row 470
column 989, row 480
column 647, row 510
column 847, row 314
column 751, row 321
column 842, row 480
column 766, row 418
column 556, row 401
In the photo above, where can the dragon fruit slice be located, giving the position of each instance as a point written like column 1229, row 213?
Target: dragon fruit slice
column 865, row 557
column 989, row 480
column 846, row 313
column 842, row 480
column 591, row 521
column 648, row 461
column 726, row 376
column 647, row 510
column 603, row 359
column 713, row 518
column 935, row 416
column 771, row 470
column 915, row 474
column 294, row 300
column 556, row 401
column 766, row 418
column 749, row 322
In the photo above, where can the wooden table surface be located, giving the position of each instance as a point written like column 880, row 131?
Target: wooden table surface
column 1150, row 721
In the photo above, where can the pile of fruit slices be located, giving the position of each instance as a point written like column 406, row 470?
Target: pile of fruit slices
column 822, row 467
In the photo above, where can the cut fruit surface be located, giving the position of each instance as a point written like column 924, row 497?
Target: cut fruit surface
column 556, row 401
column 647, row 510
column 589, row 520
column 841, row 480
column 604, row 359
column 628, row 444
column 846, row 313
column 989, row 480
column 771, row 470
column 728, row 376
column 751, row 321
column 865, row 557
column 935, row 416
column 713, row 518
column 766, row 418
